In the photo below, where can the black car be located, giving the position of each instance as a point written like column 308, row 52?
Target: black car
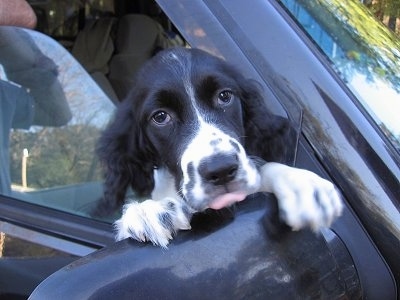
column 328, row 66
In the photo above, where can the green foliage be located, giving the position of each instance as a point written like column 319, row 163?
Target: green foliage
column 57, row 156
column 388, row 11
column 370, row 48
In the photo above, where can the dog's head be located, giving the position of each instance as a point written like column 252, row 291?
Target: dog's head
column 196, row 116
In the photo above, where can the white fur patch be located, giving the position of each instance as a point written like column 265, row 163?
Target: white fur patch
column 142, row 222
column 304, row 198
column 209, row 141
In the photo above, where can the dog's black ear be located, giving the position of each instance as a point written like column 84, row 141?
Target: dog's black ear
column 126, row 159
column 267, row 136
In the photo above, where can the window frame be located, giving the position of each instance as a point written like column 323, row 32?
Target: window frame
column 53, row 228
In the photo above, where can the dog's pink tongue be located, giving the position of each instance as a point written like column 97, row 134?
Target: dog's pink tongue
column 227, row 199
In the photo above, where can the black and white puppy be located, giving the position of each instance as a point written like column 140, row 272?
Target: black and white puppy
column 190, row 135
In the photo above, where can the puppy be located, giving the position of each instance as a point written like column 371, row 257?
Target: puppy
column 194, row 134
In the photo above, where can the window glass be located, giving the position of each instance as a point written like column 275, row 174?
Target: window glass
column 51, row 115
column 56, row 96
column 363, row 52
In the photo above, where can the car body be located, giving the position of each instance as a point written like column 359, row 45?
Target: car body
column 307, row 70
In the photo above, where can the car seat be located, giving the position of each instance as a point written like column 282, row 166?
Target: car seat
column 138, row 38
column 93, row 48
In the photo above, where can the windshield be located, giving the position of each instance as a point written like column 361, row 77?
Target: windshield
column 363, row 52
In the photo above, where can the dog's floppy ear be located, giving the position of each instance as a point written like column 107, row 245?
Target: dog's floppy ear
column 267, row 136
column 126, row 158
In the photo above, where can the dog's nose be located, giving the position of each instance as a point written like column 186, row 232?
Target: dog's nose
column 219, row 169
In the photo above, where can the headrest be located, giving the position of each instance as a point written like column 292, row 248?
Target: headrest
column 137, row 34
column 94, row 47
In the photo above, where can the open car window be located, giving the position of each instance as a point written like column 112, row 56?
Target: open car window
column 58, row 95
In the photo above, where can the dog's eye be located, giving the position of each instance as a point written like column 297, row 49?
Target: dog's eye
column 161, row 117
column 225, row 97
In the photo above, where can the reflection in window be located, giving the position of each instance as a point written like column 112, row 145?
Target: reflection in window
column 52, row 113
column 363, row 52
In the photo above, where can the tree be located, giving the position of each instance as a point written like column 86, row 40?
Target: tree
column 57, row 156
column 388, row 11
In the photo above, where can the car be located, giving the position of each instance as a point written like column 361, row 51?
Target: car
column 328, row 66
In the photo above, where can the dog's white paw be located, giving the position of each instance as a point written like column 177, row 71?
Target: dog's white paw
column 154, row 221
column 304, row 198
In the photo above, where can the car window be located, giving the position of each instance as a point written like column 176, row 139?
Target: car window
column 51, row 115
column 364, row 53
column 53, row 108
